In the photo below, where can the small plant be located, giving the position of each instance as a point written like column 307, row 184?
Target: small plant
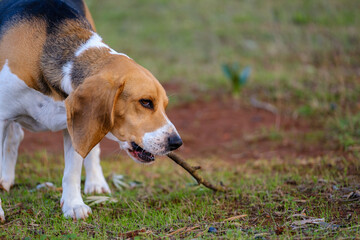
column 238, row 79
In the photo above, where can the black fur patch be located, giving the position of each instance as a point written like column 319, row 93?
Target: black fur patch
column 60, row 92
column 52, row 11
column 44, row 86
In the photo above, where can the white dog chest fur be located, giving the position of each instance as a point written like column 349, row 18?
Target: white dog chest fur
column 30, row 108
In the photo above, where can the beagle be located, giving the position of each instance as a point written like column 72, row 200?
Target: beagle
column 57, row 74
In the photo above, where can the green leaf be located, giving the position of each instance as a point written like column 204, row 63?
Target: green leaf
column 244, row 75
column 227, row 71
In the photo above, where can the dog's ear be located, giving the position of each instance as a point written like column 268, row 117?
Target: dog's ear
column 90, row 112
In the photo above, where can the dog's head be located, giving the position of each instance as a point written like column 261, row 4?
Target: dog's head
column 125, row 101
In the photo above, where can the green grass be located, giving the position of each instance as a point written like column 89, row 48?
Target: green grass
column 268, row 192
column 347, row 131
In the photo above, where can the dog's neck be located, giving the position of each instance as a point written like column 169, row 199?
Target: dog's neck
column 72, row 53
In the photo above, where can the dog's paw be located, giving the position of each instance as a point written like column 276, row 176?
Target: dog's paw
column 76, row 211
column 6, row 184
column 96, row 187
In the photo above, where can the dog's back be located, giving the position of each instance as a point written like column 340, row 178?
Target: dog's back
column 52, row 11
column 26, row 27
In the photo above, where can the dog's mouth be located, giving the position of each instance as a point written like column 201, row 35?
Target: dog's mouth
column 140, row 154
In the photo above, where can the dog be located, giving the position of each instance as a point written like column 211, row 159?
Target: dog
column 57, row 74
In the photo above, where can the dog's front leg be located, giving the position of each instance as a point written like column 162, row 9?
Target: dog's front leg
column 2, row 214
column 71, row 201
column 95, row 181
column 14, row 135
column 3, row 127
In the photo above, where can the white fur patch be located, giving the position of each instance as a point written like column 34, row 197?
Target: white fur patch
column 14, row 135
column 112, row 51
column 66, row 81
column 95, row 41
column 111, row 136
column 2, row 215
column 95, row 181
column 27, row 106
column 72, row 203
column 156, row 142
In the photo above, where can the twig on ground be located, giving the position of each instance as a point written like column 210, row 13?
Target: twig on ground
column 193, row 171
column 177, row 231
column 183, row 230
column 132, row 234
column 235, row 218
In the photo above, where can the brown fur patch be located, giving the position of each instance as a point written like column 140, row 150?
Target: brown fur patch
column 21, row 45
column 89, row 63
column 89, row 112
column 132, row 120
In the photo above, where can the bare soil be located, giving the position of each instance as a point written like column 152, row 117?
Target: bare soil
column 218, row 127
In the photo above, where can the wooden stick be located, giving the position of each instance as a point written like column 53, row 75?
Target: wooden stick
column 192, row 170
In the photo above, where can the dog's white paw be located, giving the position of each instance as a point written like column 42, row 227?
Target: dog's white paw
column 6, row 184
column 96, row 187
column 76, row 211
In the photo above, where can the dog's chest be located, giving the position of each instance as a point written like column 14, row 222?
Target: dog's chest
column 32, row 109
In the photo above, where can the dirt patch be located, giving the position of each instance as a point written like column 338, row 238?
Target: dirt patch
column 52, row 142
column 240, row 132
column 217, row 127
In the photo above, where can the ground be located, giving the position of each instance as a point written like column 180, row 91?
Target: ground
column 293, row 173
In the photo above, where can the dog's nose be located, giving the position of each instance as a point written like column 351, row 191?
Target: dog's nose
column 174, row 142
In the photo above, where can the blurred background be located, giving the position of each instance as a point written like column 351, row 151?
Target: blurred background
column 246, row 79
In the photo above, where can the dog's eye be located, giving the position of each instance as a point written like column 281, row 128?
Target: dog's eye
column 146, row 103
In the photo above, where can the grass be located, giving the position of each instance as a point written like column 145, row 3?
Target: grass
column 269, row 193
column 347, row 130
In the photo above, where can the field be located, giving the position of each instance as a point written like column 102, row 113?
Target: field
column 288, row 145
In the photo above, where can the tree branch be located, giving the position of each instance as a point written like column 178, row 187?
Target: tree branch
column 192, row 170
